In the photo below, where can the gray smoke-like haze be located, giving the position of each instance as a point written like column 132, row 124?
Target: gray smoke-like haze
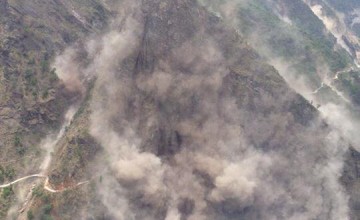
column 180, row 141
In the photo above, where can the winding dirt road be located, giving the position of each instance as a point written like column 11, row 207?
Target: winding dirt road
column 47, row 186
column 22, row 179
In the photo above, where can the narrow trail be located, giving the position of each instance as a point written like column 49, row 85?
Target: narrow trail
column 338, row 73
column 50, row 142
column 337, row 92
column 333, row 88
column 22, row 179
column 47, row 186
column 318, row 89
column 27, row 198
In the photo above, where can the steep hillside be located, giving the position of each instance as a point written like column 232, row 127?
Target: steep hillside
column 170, row 109
column 33, row 100
column 184, row 109
column 310, row 49
column 350, row 10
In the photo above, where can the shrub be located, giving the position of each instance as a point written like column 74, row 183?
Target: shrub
column 7, row 191
column 9, row 172
column 45, row 66
column 38, row 192
column 17, row 141
column 47, row 208
column 30, row 215
column 46, row 217
column 45, row 94
column 53, row 75
column 2, row 174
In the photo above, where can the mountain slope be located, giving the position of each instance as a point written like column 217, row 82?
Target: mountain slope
column 290, row 42
column 173, row 115
column 176, row 102
column 32, row 99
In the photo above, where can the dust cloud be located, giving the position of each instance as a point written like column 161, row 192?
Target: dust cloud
column 180, row 145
